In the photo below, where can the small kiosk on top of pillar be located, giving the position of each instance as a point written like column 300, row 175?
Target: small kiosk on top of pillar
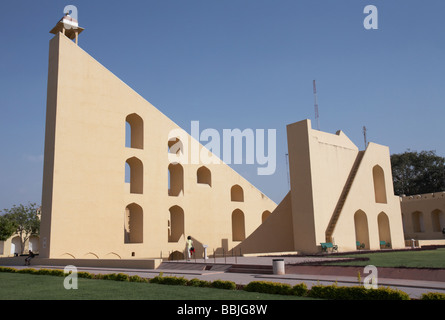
column 69, row 27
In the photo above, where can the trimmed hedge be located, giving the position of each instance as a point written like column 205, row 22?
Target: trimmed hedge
column 49, row 272
column 221, row 284
column 334, row 292
column 181, row 281
column 199, row 283
column 112, row 276
column 277, row 288
column 83, row 274
column 176, row 281
column 137, row 278
column 160, row 279
column 300, row 290
column 433, row 296
column 7, row 269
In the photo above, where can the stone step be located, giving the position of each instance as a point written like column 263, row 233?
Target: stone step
column 255, row 269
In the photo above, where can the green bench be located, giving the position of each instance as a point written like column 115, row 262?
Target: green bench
column 359, row 245
column 325, row 246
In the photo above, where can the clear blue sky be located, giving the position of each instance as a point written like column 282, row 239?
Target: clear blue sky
column 235, row 64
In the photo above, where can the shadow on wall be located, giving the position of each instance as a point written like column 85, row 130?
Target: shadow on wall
column 221, row 251
column 275, row 234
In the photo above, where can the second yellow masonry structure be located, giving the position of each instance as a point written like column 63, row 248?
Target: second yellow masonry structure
column 338, row 195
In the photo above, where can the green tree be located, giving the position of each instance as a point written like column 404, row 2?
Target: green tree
column 7, row 227
column 26, row 221
column 418, row 172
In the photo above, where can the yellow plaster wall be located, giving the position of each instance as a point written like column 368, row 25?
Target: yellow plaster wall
column 432, row 209
column 85, row 196
column 320, row 164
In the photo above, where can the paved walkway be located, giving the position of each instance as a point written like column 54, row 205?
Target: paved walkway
column 196, row 269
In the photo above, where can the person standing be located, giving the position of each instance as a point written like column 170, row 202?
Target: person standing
column 190, row 248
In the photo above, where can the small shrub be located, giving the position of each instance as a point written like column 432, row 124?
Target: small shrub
column 28, row 270
column 7, row 269
column 179, row 281
column 58, row 273
column 169, row 280
column 269, row 287
column 137, row 278
column 45, row 272
column 282, row 288
column 86, row 275
column 198, row 283
column 433, row 296
column 122, row 277
column 300, row 290
column 220, row 284
column 109, row 276
column 114, row 276
column 156, row 279
column 320, row 291
column 387, row 294
column 52, row 272
column 277, row 288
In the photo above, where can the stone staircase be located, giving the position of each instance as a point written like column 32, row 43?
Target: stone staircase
column 341, row 201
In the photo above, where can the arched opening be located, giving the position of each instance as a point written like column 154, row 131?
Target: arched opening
column 384, row 229
column 176, row 224
column 204, row 176
column 236, row 193
column 175, row 180
column 361, row 229
column 265, row 215
column 175, row 146
column 438, row 220
column 16, row 246
column 238, row 225
column 417, row 220
column 176, row 255
column 133, row 224
column 33, row 244
column 134, row 175
column 379, row 184
column 134, row 131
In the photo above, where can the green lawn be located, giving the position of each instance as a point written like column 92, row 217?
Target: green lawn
column 17, row 286
column 413, row 259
